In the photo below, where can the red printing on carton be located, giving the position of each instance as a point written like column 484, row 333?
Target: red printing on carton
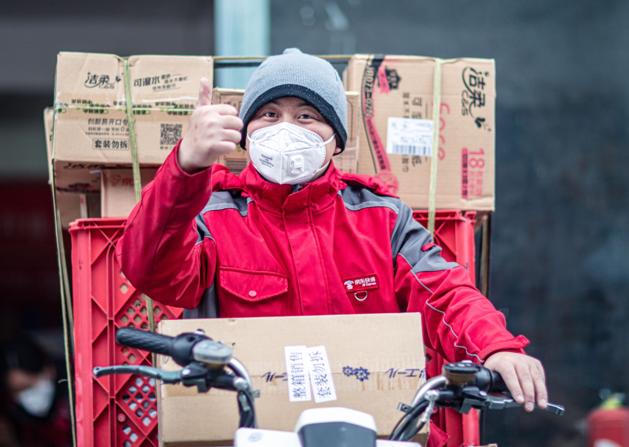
column 383, row 82
column 444, row 109
column 472, row 173
column 375, row 70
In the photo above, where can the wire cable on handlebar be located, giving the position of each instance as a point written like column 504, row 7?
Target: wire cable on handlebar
column 246, row 408
column 406, row 427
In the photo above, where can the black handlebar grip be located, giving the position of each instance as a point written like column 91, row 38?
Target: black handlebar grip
column 484, row 378
column 497, row 385
column 147, row 341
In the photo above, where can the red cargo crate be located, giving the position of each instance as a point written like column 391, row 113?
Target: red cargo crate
column 115, row 410
column 120, row 410
column 454, row 233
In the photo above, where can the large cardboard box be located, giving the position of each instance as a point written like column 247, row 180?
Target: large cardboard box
column 117, row 193
column 376, row 361
column 90, row 121
column 346, row 161
column 395, row 134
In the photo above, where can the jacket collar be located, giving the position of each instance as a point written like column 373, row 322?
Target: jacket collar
column 316, row 195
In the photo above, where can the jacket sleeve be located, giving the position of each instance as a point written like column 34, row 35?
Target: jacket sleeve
column 166, row 252
column 458, row 321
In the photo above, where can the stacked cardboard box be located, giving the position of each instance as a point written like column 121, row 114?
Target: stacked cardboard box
column 391, row 120
column 396, row 130
column 89, row 151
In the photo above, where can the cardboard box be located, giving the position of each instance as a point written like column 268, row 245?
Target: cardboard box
column 90, row 122
column 71, row 205
column 75, row 205
column 376, row 361
column 347, row 161
column 117, row 193
column 400, row 151
column 48, row 116
column 236, row 161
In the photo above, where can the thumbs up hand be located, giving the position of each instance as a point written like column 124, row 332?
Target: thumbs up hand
column 213, row 130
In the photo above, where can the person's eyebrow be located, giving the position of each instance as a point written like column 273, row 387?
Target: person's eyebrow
column 305, row 103
column 266, row 104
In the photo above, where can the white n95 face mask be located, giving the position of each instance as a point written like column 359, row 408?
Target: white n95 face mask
column 285, row 153
column 38, row 399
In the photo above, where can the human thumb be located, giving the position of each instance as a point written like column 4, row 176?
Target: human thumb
column 205, row 93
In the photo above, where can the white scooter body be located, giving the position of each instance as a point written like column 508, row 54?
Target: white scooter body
column 321, row 427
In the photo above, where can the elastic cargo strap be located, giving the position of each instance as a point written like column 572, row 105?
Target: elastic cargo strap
column 66, row 304
column 436, row 106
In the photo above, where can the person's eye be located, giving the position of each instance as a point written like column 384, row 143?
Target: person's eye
column 269, row 114
column 307, row 116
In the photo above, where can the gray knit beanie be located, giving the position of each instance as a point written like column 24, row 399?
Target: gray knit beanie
column 304, row 76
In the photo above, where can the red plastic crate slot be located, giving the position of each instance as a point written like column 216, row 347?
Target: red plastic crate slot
column 118, row 410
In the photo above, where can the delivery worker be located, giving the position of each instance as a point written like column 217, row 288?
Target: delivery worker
column 291, row 235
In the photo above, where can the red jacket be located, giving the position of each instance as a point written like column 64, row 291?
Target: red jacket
column 338, row 245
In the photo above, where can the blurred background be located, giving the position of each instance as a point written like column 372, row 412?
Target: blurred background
column 560, row 239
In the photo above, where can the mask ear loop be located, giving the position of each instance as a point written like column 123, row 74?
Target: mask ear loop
column 329, row 139
column 325, row 166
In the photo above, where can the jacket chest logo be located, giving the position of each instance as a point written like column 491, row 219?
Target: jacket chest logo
column 360, row 286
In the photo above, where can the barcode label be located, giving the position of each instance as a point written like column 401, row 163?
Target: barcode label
column 410, row 136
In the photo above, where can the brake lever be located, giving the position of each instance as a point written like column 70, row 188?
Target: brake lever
column 499, row 403
column 148, row 371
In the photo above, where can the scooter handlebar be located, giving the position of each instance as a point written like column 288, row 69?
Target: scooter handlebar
column 490, row 381
column 467, row 373
column 147, row 341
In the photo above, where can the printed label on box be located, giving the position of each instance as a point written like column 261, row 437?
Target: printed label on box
column 305, row 368
column 320, row 375
column 410, row 136
column 297, row 368
column 161, row 82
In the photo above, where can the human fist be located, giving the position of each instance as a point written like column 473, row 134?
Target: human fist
column 523, row 375
column 213, row 130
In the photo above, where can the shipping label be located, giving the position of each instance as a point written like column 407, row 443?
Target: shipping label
column 409, row 136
